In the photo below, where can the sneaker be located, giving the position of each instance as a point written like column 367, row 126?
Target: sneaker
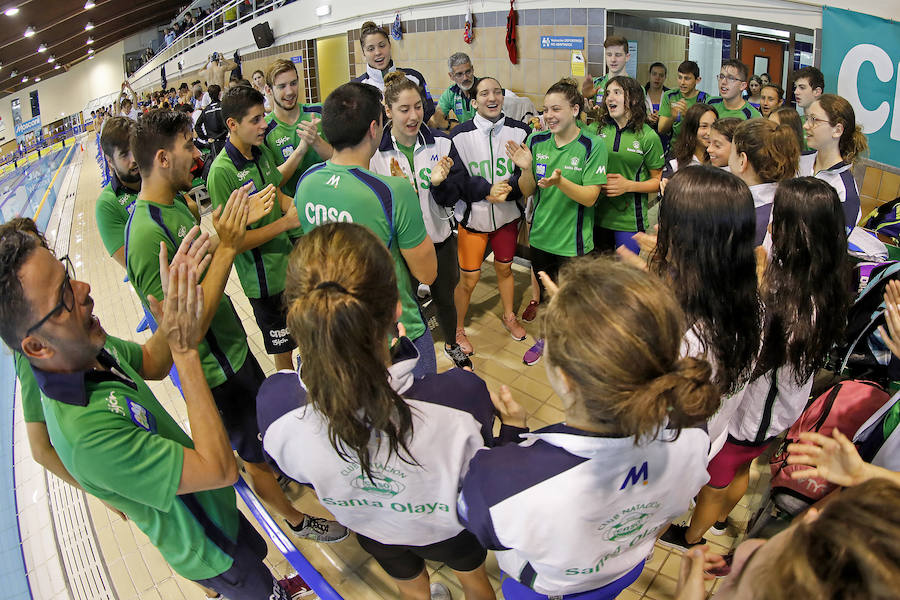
column 463, row 342
column 530, row 312
column 424, row 294
column 724, row 570
column 516, row 331
column 295, row 586
column 439, row 591
column 675, row 538
column 320, row 530
column 534, row 353
column 719, row 527
column 459, row 358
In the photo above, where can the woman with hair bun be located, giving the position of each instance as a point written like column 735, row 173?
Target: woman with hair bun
column 836, row 141
column 575, row 509
column 385, row 451
column 764, row 153
column 376, row 46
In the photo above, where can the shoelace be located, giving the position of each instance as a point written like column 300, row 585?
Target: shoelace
column 316, row 524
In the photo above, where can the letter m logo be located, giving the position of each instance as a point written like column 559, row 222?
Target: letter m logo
column 434, row 158
column 334, row 181
column 634, row 475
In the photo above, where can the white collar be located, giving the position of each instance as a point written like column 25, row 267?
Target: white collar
column 486, row 126
column 377, row 76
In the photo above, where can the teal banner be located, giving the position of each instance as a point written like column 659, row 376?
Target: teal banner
column 861, row 62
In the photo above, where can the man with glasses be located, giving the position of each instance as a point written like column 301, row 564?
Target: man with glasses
column 109, row 430
column 456, row 98
column 732, row 83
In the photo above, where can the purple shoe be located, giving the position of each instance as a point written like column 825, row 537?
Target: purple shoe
column 534, row 353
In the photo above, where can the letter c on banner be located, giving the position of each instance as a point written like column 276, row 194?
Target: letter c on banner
column 848, row 77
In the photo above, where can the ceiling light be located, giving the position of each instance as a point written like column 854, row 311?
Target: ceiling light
column 29, row 32
column 89, row 5
column 90, row 41
column 9, row 12
column 323, row 11
column 52, row 59
column 25, row 79
column 36, row 79
column 42, row 48
column 89, row 26
column 90, row 50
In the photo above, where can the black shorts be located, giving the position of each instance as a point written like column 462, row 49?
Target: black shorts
column 270, row 316
column 236, row 401
column 461, row 553
column 248, row 578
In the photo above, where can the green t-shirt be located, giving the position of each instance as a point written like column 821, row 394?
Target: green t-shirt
column 282, row 139
column 747, row 111
column 671, row 97
column 453, row 99
column 112, row 210
column 408, row 152
column 224, row 346
column 32, row 410
column 631, row 155
column 119, row 443
column 562, row 226
column 261, row 269
column 328, row 193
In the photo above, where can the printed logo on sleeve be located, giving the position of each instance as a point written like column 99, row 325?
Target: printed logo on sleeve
column 287, row 151
column 140, row 416
column 540, row 169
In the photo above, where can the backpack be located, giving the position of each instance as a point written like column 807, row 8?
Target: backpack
column 886, row 220
column 846, row 405
column 863, row 354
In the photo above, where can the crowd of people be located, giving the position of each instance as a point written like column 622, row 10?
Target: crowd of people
column 689, row 272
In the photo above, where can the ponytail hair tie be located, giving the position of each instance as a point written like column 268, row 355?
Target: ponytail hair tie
column 332, row 284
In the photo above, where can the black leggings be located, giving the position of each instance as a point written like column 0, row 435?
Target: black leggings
column 548, row 263
column 444, row 286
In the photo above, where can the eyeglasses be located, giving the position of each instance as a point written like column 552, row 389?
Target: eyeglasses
column 811, row 120
column 729, row 78
column 464, row 75
column 66, row 295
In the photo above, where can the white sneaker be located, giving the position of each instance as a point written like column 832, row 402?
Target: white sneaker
column 439, row 591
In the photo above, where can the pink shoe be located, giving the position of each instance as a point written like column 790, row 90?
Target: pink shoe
column 511, row 323
column 464, row 344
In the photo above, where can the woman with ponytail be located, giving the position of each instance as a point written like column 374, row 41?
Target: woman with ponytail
column 762, row 154
column 384, row 451
column 426, row 158
column 806, row 295
column 577, row 507
column 376, row 46
column 836, row 141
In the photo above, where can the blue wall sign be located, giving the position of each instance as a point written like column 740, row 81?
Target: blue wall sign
column 561, row 42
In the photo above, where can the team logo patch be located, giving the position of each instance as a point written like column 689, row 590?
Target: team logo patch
column 540, row 170
column 140, row 416
column 385, row 481
column 574, row 161
column 628, row 523
column 182, row 231
column 252, row 189
column 287, row 151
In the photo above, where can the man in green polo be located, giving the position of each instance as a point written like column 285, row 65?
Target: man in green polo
column 456, row 98
column 109, row 430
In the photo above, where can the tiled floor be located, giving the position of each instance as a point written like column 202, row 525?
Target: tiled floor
column 135, row 567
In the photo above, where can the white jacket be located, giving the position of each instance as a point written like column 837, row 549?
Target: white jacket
column 481, row 146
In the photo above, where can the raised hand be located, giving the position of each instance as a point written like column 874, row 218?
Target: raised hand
column 183, row 308
column 193, row 252
column 553, row 179
column 510, row 412
column 261, row 203
column 678, row 108
column 397, row 171
column 309, row 131
column 891, row 337
column 499, row 192
column 519, row 154
column 441, row 170
column 833, row 458
column 548, row 283
column 231, row 220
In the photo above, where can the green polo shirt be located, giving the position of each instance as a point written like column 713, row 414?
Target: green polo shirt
column 747, row 111
column 454, row 100
column 282, row 139
column 119, row 443
column 631, row 154
column 562, row 226
column 112, row 210
column 224, row 346
column 32, row 410
column 671, row 97
column 329, row 192
column 261, row 269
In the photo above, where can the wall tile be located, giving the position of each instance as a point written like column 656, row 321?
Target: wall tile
column 579, row 16
column 547, row 16
column 529, row 17
column 596, row 34
column 871, row 182
column 490, row 19
column 478, row 19
column 890, row 186
column 563, row 16
column 596, row 16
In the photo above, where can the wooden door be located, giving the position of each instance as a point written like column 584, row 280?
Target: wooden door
column 763, row 55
